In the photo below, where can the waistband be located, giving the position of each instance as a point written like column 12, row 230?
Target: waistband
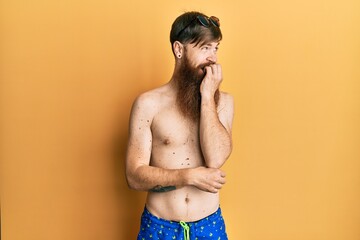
column 148, row 216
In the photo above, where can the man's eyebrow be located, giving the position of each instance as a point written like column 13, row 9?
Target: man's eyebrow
column 215, row 45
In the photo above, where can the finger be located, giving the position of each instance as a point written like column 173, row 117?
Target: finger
column 219, row 71
column 213, row 188
column 210, row 189
column 214, row 69
column 222, row 181
column 218, row 185
column 208, row 70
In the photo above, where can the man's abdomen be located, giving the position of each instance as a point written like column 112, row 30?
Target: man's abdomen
column 184, row 204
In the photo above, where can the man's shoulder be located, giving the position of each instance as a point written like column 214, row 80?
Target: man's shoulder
column 151, row 98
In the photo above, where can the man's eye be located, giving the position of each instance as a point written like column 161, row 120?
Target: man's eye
column 205, row 48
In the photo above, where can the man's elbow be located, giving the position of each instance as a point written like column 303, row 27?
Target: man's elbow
column 215, row 162
column 132, row 182
column 218, row 160
column 215, row 165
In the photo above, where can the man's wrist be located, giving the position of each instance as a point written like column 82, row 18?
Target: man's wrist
column 207, row 98
column 185, row 175
column 208, row 106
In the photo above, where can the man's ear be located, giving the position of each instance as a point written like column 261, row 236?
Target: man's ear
column 178, row 49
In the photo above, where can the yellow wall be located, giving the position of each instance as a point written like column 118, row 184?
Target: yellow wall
column 71, row 69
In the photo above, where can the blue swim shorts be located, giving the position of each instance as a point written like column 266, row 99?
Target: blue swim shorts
column 209, row 228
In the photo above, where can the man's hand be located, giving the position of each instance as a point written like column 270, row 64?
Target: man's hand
column 211, row 81
column 206, row 179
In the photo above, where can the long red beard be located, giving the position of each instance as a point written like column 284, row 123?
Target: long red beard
column 188, row 81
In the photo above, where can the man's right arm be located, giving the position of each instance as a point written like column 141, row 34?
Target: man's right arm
column 143, row 177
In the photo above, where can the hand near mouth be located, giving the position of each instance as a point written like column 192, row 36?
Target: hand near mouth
column 211, row 81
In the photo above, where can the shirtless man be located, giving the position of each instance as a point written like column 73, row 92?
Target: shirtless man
column 180, row 136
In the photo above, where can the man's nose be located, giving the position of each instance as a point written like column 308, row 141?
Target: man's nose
column 212, row 58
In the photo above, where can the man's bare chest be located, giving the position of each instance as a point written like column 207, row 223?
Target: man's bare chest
column 175, row 141
column 170, row 128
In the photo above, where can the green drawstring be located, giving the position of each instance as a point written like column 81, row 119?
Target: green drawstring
column 186, row 230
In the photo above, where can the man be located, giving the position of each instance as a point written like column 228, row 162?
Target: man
column 180, row 136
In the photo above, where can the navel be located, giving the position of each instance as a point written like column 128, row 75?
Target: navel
column 187, row 199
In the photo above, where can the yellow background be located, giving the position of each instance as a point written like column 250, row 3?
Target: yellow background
column 71, row 69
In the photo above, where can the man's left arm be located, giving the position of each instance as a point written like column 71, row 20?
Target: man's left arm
column 215, row 122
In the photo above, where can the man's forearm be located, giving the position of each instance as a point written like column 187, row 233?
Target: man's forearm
column 214, row 138
column 149, row 178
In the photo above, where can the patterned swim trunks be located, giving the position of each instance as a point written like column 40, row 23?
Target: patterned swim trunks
column 209, row 228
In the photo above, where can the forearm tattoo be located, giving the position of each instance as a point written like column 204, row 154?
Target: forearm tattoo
column 159, row 188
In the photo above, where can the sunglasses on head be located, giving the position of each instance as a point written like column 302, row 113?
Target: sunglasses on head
column 205, row 21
